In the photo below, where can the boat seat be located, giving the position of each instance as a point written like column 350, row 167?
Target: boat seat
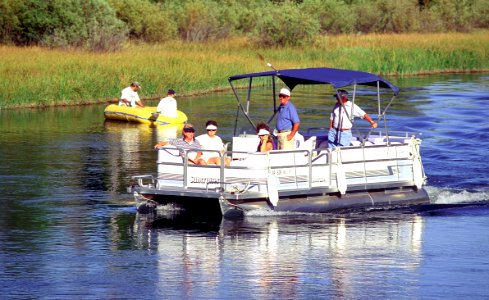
column 245, row 143
column 169, row 153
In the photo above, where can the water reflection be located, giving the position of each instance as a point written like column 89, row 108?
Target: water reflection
column 168, row 131
column 283, row 255
column 125, row 142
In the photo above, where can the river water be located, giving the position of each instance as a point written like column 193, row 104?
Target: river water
column 69, row 230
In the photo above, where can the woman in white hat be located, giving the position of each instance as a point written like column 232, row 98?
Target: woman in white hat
column 266, row 142
column 210, row 141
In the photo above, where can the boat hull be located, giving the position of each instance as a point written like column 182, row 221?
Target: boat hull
column 141, row 115
column 225, row 204
column 324, row 203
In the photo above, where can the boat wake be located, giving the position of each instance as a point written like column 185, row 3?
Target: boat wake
column 453, row 196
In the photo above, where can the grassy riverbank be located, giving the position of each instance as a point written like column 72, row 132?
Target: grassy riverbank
column 35, row 76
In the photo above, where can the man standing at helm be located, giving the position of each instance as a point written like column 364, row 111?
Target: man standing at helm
column 288, row 121
column 340, row 123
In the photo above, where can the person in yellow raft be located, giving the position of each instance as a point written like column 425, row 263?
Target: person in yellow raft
column 130, row 97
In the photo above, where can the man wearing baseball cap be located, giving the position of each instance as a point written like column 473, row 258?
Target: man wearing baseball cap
column 288, row 121
column 340, row 122
column 130, row 97
column 188, row 142
column 168, row 105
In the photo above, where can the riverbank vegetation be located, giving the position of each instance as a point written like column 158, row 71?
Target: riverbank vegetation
column 67, row 52
column 35, row 76
column 105, row 25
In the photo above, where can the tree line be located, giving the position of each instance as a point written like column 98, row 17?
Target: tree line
column 105, row 25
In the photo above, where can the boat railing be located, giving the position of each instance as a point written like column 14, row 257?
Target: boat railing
column 294, row 169
column 378, row 132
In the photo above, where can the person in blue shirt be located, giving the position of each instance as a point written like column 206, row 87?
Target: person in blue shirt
column 288, row 121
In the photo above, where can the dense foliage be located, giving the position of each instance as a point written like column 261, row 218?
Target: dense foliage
column 90, row 24
column 106, row 24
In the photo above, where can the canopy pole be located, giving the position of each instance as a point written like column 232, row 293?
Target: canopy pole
column 240, row 106
column 378, row 97
column 237, row 108
column 274, row 97
column 249, row 96
column 382, row 117
column 352, row 118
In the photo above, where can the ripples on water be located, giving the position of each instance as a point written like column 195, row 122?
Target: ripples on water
column 69, row 230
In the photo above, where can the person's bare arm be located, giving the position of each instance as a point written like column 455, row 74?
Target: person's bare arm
column 161, row 144
column 294, row 130
column 369, row 119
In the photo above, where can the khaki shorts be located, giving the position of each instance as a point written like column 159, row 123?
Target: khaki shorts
column 283, row 143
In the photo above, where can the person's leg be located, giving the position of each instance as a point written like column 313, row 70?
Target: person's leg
column 345, row 138
column 281, row 138
column 214, row 161
column 289, row 145
column 332, row 138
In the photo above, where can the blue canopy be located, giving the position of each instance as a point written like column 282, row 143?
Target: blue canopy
column 338, row 78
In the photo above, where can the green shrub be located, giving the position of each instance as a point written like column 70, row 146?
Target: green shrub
column 430, row 22
column 368, row 18
column 480, row 14
column 89, row 24
column 145, row 20
column 334, row 16
column 9, row 21
column 286, row 25
column 454, row 14
column 398, row 15
column 201, row 20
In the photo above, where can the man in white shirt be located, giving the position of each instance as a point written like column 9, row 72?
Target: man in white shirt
column 130, row 97
column 340, row 122
column 168, row 105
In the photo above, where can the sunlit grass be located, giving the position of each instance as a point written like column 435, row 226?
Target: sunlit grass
column 36, row 76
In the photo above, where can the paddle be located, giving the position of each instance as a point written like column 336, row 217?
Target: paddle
column 154, row 116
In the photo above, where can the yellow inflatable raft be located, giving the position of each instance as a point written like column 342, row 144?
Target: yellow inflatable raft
column 145, row 115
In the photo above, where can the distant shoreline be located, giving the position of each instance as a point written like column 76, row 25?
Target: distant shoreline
column 39, row 77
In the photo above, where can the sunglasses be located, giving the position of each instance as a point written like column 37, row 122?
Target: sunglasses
column 282, row 96
column 188, row 130
column 211, row 129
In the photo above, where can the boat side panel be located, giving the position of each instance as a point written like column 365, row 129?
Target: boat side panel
column 334, row 202
column 140, row 115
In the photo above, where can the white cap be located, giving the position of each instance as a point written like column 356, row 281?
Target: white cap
column 285, row 92
column 211, row 127
column 263, row 132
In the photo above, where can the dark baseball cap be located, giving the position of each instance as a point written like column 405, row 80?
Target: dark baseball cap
column 341, row 93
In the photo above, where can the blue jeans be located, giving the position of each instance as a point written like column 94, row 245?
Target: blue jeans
column 337, row 138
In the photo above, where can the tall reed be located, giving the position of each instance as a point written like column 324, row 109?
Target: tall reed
column 36, row 76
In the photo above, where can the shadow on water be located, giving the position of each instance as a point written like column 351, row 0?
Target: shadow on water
column 249, row 224
column 181, row 220
column 480, row 208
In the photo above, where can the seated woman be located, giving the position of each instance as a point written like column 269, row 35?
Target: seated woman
column 210, row 141
column 266, row 141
